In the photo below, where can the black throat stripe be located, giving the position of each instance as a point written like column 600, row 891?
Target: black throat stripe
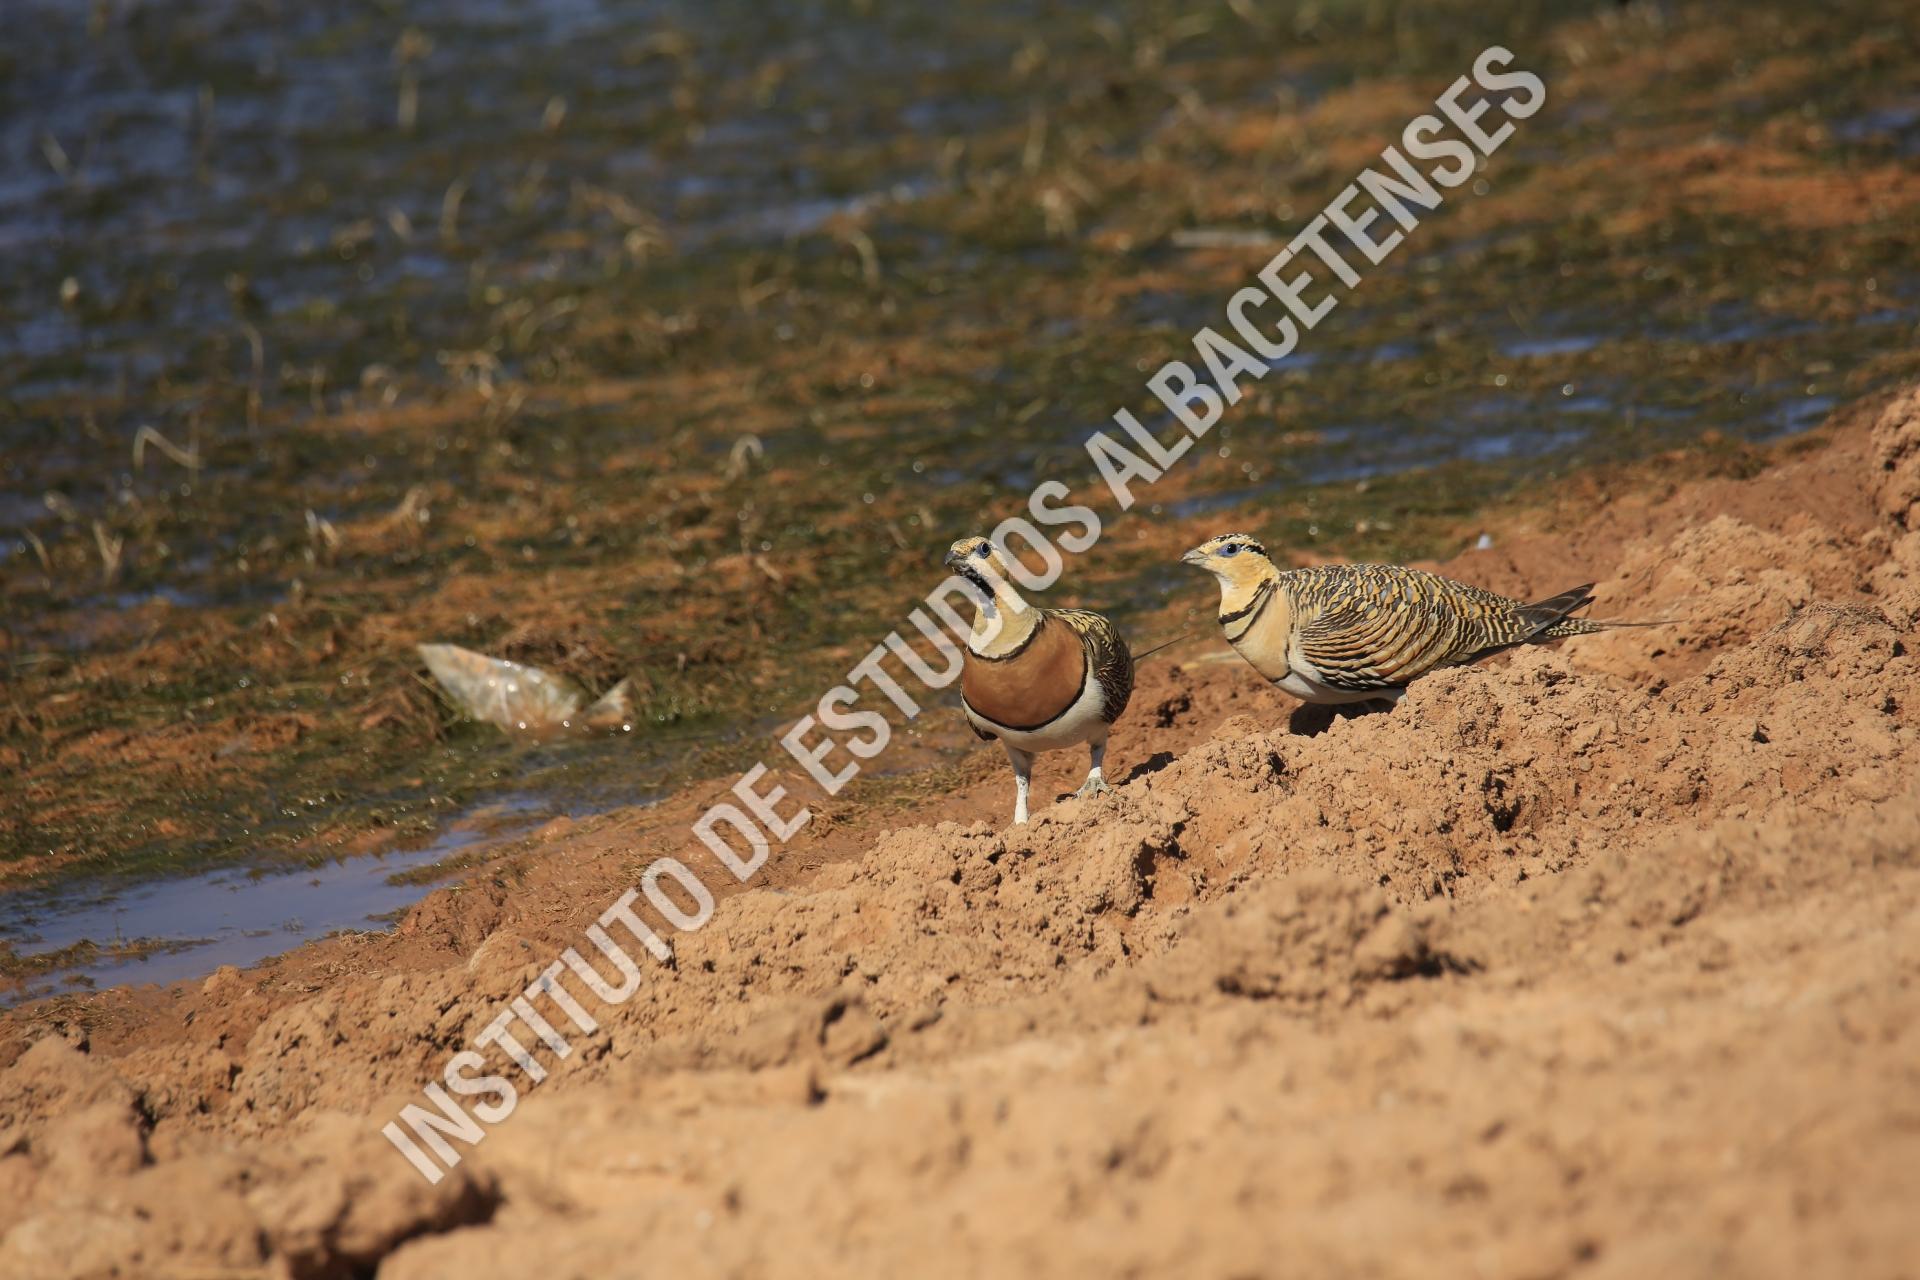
column 1014, row 652
column 1025, row 728
column 1255, row 607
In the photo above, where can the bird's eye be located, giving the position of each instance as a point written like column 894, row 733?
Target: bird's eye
column 1231, row 549
column 980, row 552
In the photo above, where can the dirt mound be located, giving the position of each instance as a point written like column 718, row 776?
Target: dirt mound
column 1896, row 451
column 1597, row 957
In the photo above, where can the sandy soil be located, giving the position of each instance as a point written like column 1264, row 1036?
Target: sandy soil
column 1602, row 959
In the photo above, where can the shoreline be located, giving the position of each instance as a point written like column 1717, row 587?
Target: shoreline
column 1515, row 525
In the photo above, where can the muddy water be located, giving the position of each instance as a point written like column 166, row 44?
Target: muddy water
column 330, row 329
column 159, row 931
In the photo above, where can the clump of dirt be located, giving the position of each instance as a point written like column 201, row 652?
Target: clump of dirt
column 319, row 1203
column 1896, row 450
column 1597, row 957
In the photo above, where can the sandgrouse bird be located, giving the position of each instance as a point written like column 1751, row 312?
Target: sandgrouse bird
column 1037, row 679
column 1359, row 632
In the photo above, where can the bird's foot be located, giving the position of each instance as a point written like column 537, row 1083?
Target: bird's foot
column 1093, row 786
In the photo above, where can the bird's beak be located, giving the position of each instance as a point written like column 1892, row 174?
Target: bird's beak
column 1194, row 556
column 953, row 558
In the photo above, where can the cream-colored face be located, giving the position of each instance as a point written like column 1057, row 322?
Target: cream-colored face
column 977, row 559
column 1234, row 558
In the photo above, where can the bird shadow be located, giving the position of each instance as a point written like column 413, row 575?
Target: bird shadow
column 1152, row 764
column 1310, row 720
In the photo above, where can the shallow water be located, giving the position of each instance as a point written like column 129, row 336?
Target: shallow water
column 167, row 930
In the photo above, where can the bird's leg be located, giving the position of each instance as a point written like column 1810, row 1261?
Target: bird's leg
column 1095, row 784
column 1022, row 777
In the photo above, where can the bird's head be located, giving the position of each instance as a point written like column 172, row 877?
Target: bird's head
column 1235, row 558
column 978, row 561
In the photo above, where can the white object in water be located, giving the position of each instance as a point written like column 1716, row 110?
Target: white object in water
column 518, row 697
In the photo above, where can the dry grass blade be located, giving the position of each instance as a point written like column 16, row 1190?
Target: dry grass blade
column 188, row 457
column 39, row 550
column 258, row 347
column 412, row 515
column 322, row 537
column 1035, row 152
column 406, row 112
column 1221, row 238
column 746, row 451
column 450, row 212
column 56, row 157
column 111, row 546
column 542, row 317
column 869, row 256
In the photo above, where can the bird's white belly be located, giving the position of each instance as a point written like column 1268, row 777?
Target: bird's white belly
column 1079, row 723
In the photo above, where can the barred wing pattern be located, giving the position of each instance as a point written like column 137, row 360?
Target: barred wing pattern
column 1107, row 657
column 1373, row 626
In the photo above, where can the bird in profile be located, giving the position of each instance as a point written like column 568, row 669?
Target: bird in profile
column 1037, row 679
column 1361, row 632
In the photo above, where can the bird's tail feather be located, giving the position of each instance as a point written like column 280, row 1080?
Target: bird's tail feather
column 1588, row 626
column 1550, row 612
column 1554, row 616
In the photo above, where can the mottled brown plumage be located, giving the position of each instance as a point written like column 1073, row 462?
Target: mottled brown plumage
column 1374, row 627
column 1107, row 654
column 1349, row 633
